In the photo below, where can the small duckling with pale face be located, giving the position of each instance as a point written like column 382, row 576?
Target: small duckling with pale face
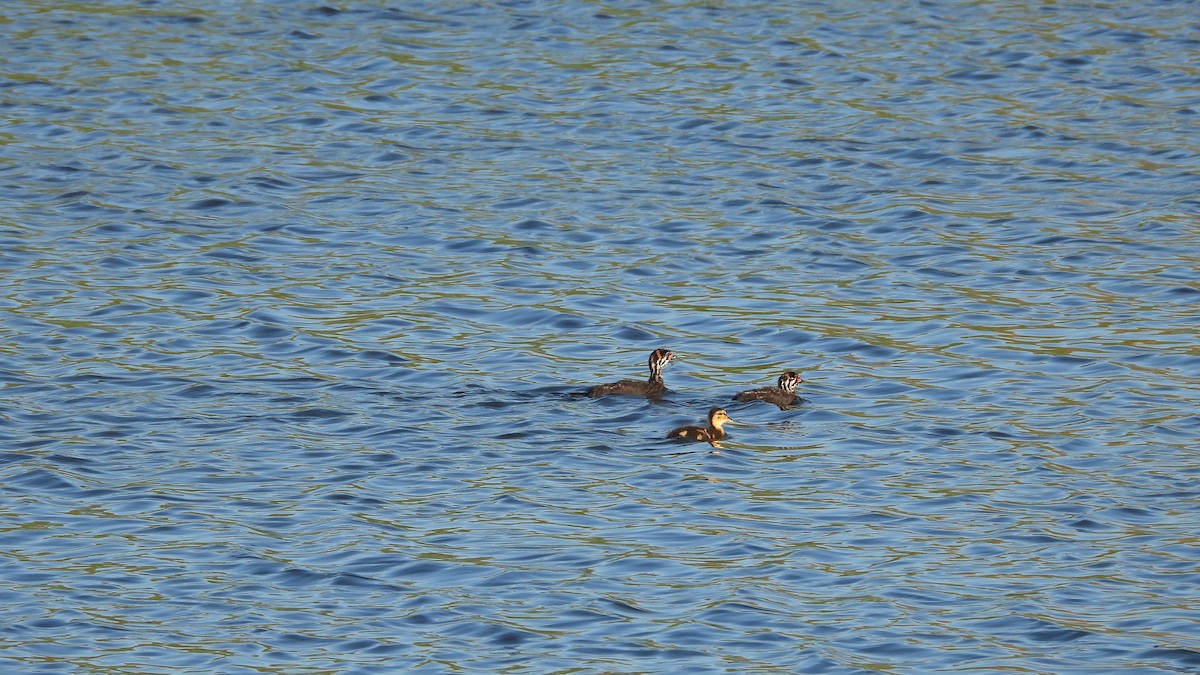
column 717, row 418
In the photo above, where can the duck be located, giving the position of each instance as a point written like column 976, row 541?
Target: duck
column 782, row 395
column 651, row 388
column 717, row 418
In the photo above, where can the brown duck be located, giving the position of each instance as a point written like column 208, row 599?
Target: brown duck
column 782, row 395
column 717, row 418
column 651, row 388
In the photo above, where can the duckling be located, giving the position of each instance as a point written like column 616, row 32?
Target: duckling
column 717, row 418
column 652, row 388
column 782, row 395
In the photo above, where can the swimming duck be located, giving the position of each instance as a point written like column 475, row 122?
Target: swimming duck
column 717, row 417
column 652, row 388
column 782, row 395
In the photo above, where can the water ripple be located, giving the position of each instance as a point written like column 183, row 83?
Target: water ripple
column 299, row 303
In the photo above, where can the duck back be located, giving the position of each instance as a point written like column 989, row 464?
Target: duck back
column 770, row 395
column 629, row 388
column 696, row 433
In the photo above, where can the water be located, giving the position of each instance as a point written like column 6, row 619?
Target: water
column 296, row 299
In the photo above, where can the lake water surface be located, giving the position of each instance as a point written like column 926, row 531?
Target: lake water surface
column 296, row 301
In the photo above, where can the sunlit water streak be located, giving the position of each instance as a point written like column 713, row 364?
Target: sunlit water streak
column 299, row 299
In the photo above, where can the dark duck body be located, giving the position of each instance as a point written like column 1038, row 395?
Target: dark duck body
column 717, row 417
column 651, row 388
column 782, row 395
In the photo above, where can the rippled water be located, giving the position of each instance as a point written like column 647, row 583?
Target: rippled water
column 297, row 300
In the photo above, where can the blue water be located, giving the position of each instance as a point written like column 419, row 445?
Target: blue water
column 297, row 300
